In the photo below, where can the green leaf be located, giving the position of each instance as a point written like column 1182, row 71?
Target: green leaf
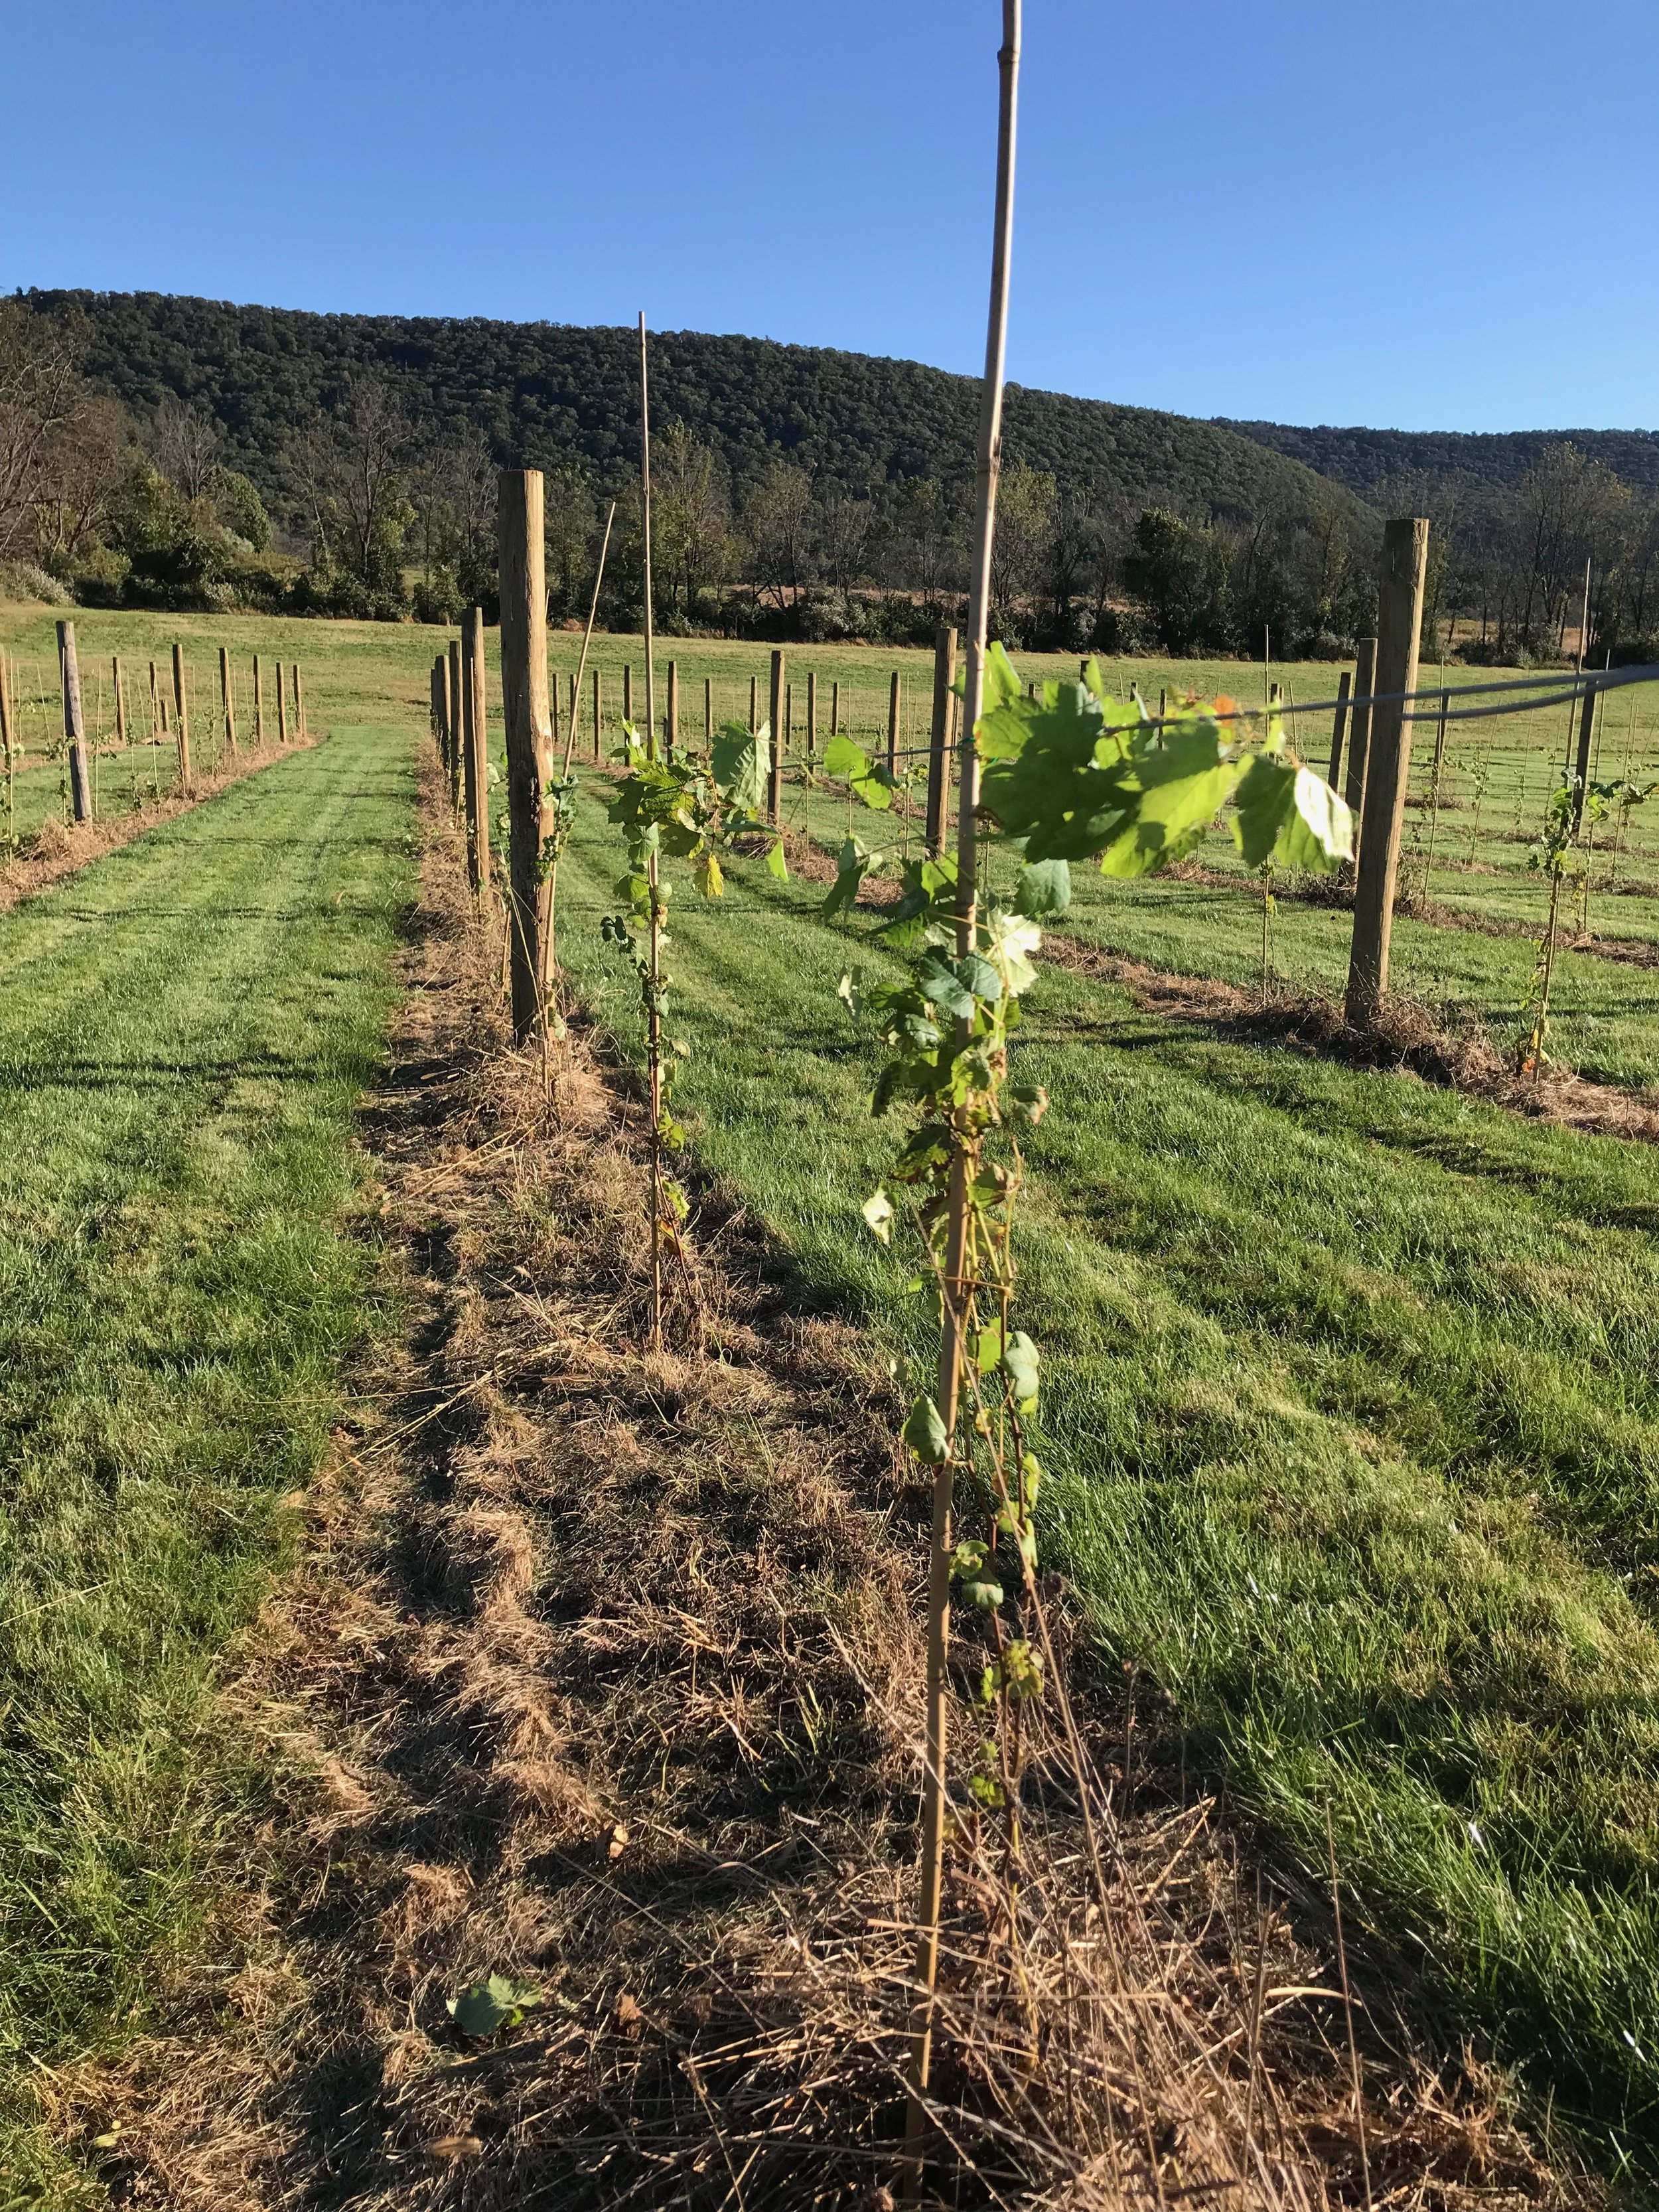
column 979, row 976
column 852, row 766
column 710, row 880
column 986, row 1594
column 878, row 1212
column 1044, row 887
column 490, row 2006
column 924, row 1431
column 851, row 868
column 1002, row 683
column 969, row 1558
column 940, row 983
column 1182, row 789
column 741, row 764
column 988, row 1349
column 1290, row 816
column 1020, row 1359
column 776, row 863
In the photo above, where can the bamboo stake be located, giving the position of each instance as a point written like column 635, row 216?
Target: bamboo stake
column 950, row 1332
column 775, row 778
column 653, row 1025
column 588, row 639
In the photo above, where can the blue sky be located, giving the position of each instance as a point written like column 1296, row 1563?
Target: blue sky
column 1423, row 216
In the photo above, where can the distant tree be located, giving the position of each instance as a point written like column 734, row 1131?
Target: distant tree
column 1180, row 573
column 184, row 441
column 692, row 549
column 42, row 400
column 775, row 514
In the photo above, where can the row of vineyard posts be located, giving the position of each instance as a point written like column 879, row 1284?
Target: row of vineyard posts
column 1370, row 756
column 170, row 702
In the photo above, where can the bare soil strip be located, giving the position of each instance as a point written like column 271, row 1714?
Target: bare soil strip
column 600, row 1673
column 57, row 849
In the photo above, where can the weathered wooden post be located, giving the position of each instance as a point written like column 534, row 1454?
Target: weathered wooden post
column 596, row 711
column 835, row 707
column 774, row 778
column 671, row 729
column 754, row 704
column 456, row 735
column 811, row 716
column 68, row 677
column 708, row 710
column 474, row 769
column 1359, row 732
column 1338, row 728
column 7, row 744
column 259, row 706
column 434, row 713
column 227, row 701
column 299, row 701
column 627, row 691
column 181, row 717
column 529, row 733
column 1399, row 633
column 574, row 705
column 120, row 700
column 893, row 695
column 281, row 706
column 939, row 751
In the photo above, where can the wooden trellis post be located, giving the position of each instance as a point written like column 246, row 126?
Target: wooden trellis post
column 299, row 701
column 708, row 710
column 259, row 706
column 120, row 700
column 894, row 695
column 226, row 701
column 529, row 731
column 671, row 729
column 1338, row 728
column 181, row 717
column 627, row 691
column 69, row 672
column 754, row 704
column 475, row 740
column 1399, row 633
column 939, row 751
column 436, row 686
column 281, row 706
column 811, row 716
column 774, row 781
column 596, row 704
column 1582, row 766
column 457, row 739
column 1359, row 731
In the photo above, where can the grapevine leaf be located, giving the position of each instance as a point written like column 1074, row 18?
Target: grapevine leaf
column 1182, row 788
column 1044, row 887
column 741, row 762
column 986, row 1595
column 940, row 983
column 711, row 882
column 776, row 863
column 1001, row 682
column 924, row 1431
column 988, row 1350
column 851, row 868
column 1288, row 814
column 979, row 976
column 878, row 1212
column 488, row 2005
column 969, row 1558
column 1020, row 1359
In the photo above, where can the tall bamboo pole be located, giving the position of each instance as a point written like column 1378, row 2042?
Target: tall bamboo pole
column 653, row 1024
column 952, row 1303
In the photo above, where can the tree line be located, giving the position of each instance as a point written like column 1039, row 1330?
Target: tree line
column 370, row 498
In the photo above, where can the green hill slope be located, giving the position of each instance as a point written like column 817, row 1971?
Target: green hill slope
column 1369, row 461
column 544, row 393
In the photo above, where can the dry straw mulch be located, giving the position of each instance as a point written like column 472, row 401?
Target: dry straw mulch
column 600, row 1672
column 57, row 849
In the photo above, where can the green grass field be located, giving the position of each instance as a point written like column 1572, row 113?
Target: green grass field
column 1351, row 1401
column 184, row 1031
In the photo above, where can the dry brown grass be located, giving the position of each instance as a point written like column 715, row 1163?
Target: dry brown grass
column 601, row 1673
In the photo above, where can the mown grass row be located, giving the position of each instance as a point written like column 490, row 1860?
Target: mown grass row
column 1353, row 1392
column 185, row 1028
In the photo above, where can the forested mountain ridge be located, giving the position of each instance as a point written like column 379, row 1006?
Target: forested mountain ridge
column 1374, row 463
column 545, row 394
